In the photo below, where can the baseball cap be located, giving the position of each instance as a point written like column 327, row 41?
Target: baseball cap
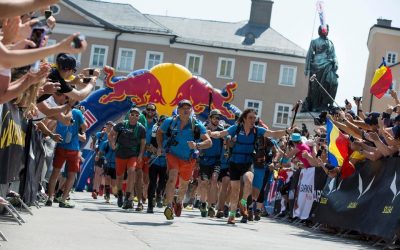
column 66, row 61
column 215, row 112
column 135, row 110
column 295, row 137
column 184, row 102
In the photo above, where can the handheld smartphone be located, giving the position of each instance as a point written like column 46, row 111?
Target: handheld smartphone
column 87, row 80
column 91, row 71
column 37, row 36
column 77, row 42
column 48, row 13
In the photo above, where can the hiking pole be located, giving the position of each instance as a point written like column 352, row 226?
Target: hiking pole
column 314, row 78
column 296, row 109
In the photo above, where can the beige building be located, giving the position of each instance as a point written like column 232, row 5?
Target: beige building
column 383, row 41
column 267, row 66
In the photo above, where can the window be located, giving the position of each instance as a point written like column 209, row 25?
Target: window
column 126, row 58
column 391, row 57
column 153, row 58
column 282, row 114
column 287, row 75
column 98, row 56
column 254, row 104
column 257, row 72
column 194, row 63
column 52, row 58
column 226, row 67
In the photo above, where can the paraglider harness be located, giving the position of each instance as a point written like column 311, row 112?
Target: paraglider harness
column 172, row 136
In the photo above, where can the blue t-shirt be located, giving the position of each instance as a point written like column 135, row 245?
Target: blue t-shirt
column 211, row 156
column 70, row 132
column 109, row 154
column 149, row 130
column 242, row 152
column 181, row 148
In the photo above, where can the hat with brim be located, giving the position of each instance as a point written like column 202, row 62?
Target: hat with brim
column 296, row 137
column 135, row 110
column 184, row 102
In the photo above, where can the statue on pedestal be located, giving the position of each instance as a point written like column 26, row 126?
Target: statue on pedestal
column 321, row 60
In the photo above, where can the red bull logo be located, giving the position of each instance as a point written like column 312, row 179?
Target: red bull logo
column 165, row 85
column 141, row 89
column 199, row 93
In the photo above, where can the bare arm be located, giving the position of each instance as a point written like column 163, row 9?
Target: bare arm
column 19, row 7
column 218, row 134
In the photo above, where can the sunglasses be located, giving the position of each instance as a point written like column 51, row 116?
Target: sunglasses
column 134, row 114
column 150, row 109
column 67, row 69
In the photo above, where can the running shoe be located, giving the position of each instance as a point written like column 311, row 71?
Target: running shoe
column 101, row 190
column 178, row 209
column 203, row 209
column 220, row 214
column 211, row 212
column 119, row 200
column 49, row 202
column 226, row 211
column 251, row 215
column 169, row 214
column 94, row 195
column 65, row 204
column 231, row 220
column 139, row 207
column 128, row 204
column 150, row 210
column 257, row 216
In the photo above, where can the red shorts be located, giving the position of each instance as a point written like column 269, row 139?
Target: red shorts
column 65, row 155
column 146, row 165
column 122, row 165
column 185, row 168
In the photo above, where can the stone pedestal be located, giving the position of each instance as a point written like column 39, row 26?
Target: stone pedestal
column 308, row 119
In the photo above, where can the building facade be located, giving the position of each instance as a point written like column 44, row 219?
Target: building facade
column 267, row 66
column 383, row 41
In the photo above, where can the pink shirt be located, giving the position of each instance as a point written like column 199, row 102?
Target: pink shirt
column 303, row 147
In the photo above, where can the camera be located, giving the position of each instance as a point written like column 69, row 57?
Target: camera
column 37, row 36
column 357, row 99
column 346, row 102
column 318, row 121
column 91, row 71
column 87, row 80
column 77, row 42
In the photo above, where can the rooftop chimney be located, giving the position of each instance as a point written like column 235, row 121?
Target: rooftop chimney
column 261, row 12
column 384, row 22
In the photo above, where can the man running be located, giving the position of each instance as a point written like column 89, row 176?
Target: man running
column 183, row 132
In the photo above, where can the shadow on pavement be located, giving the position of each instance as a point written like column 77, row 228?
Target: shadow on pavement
column 146, row 223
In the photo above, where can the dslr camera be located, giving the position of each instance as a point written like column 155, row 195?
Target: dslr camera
column 357, row 99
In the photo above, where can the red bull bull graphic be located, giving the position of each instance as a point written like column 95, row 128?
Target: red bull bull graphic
column 198, row 92
column 141, row 89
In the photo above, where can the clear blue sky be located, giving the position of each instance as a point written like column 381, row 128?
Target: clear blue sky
column 349, row 22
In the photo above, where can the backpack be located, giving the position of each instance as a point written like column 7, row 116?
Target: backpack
column 255, row 146
column 126, row 127
column 195, row 128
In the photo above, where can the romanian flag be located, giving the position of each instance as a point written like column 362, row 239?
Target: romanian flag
column 338, row 149
column 381, row 82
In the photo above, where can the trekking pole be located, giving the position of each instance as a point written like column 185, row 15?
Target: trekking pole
column 314, row 78
column 296, row 109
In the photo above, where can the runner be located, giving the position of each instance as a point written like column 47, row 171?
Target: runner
column 224, row 179
column 210, row 168
column 181, row 148
column 244, row 134
column 128, row 139
column 157, row 171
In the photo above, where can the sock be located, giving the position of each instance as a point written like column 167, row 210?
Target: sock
column 243, row 202
column 232, row 213
column 119, row 192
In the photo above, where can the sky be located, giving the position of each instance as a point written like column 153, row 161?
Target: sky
column 349, row 22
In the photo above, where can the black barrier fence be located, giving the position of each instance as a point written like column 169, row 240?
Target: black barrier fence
column 21, row 153
column 367, row 202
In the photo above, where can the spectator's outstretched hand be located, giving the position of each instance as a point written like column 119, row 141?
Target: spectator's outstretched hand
column 67, row 46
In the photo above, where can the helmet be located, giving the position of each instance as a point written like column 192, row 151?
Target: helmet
column 215, row 112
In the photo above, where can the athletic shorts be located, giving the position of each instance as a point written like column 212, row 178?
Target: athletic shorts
column 71, row 157
column 110, row 172
column 185, row 167
column 122, row 165
column 237, row 170
column 223, row 173
column 207, row 171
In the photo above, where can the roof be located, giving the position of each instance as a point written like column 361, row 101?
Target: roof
column 229, row 35
column 118, row 16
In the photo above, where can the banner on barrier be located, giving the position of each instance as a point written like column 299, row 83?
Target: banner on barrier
column 367, row 201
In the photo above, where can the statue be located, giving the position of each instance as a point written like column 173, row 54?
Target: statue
column 321, row 61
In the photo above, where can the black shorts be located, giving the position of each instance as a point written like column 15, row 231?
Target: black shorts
column 110, row 172
column 100, row 163
column 223, row 173
column 207, row 171
column 237, row 170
